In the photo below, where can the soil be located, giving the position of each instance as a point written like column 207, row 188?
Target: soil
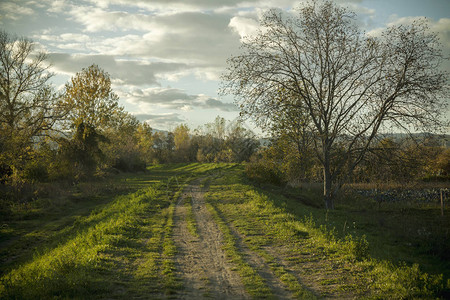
column 201, row 261
column 206, row 272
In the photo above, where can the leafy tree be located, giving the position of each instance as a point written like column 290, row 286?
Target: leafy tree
column 351, row 86
column 145, row 142
column 93, row 108
column 90, row 98
column 182, row 142
column 29, row 107
column 240, row 141
column 122, row 150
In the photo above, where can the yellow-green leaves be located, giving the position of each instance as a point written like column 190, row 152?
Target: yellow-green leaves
column 90, row 98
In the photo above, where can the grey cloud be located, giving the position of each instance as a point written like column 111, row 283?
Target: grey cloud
column 178, row 99
column 161, row 121
column 194, row 37
column 124, row 71
column 199, row 37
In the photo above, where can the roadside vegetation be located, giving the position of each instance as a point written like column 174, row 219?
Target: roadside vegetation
column 92, row 245
column 104, row 244
column 331, row 251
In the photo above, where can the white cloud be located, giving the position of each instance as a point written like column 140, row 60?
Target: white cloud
column 97, row 19
column 14, row 11
column 244, row 26
column 442, row 27
column 57, row 6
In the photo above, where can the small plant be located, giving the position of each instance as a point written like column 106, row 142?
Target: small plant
column 360, row 248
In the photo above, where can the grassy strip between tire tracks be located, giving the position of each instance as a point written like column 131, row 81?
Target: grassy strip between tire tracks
column 190, row 218
column 253, row 282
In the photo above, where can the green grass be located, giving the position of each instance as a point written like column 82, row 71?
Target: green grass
column 254, row 284
column 190, row 218
column 113, row 238
column 308, row 235
column 101, row 244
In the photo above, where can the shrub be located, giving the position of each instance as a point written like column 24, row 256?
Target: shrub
column 264, row 173
column 360, row 248
column 35, row 171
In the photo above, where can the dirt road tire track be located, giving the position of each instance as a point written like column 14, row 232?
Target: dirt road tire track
column 201, row 262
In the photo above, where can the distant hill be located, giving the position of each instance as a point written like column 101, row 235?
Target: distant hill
column 442, row 139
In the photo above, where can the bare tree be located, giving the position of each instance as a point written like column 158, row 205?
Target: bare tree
column 350, row 85
column 28, row 105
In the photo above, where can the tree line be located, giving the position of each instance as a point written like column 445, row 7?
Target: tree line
column 322, row 88
column 82, row 131
column 389, row 160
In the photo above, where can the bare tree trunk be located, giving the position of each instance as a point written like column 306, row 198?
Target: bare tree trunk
column 327, row 184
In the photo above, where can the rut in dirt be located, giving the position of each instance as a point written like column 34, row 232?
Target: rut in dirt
column 201, row 261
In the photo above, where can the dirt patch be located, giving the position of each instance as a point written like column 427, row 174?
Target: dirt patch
column 201, row 262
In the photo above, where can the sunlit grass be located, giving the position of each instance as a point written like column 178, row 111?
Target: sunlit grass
column 114, row 239
column 123, row 246
column 254, row 284
column 341, row 264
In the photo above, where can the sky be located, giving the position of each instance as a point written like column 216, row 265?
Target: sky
column 165, row 57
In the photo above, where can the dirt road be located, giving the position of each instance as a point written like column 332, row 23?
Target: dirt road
column 202, row 263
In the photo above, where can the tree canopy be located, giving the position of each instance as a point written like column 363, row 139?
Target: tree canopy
column 28, row 105
column 318, row 73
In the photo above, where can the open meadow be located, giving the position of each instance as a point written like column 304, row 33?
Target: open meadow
column 190, row 231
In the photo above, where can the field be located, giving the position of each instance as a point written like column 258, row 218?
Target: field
column 195, row 231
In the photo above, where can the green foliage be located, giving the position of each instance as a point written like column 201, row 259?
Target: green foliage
column 90, row 98
column 269, row 218
column 403, row 282
column 359, row 247
column 264, row 171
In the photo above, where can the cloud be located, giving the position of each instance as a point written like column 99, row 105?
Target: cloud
column 13, row 11
column 123, row 72
column 441, row 27
column 160, row 121
column 244, row 26
column 202, row 40
column 171, row 98
column 97, row 19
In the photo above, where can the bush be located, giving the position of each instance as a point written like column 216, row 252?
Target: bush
column 35, row 171
column 264, row 173
column 360, row 248
column 129, row 164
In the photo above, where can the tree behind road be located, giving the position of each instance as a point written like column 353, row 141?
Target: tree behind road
column 344, row 86
column 29, row 107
